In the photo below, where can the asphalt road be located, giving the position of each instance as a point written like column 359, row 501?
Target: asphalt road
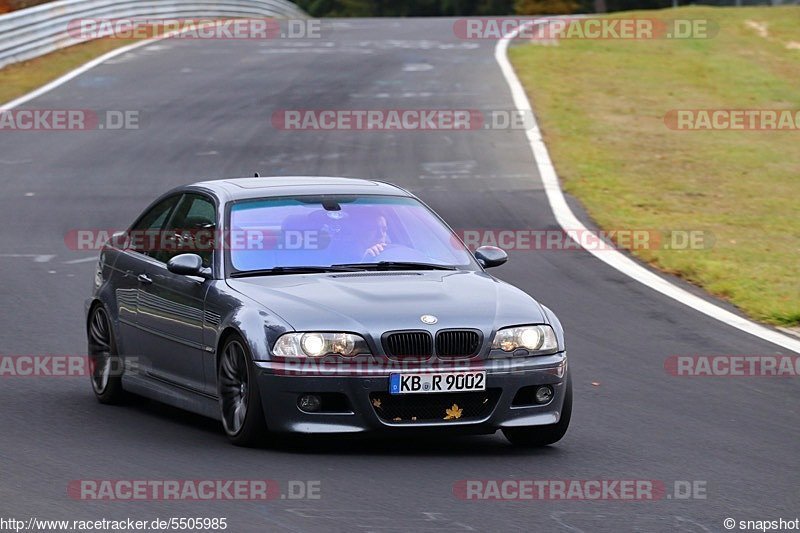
column 206, row 109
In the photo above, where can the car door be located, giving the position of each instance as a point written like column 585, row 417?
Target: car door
column 133, row 252
column 170, row 310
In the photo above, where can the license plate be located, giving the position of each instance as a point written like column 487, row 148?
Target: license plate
column 437, row 382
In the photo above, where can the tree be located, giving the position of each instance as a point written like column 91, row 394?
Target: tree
column 546, row 7
column 494, row 7
column 405, row 8
column 361, row 8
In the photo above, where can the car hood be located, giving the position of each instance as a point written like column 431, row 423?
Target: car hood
column 375, row 302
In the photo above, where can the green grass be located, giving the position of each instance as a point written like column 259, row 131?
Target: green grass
column 601, row 106
column 21, row 78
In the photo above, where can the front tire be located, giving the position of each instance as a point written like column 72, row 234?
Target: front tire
column 239, row 395
column 537, row 436
column 105, row 365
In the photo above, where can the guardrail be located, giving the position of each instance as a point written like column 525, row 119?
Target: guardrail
column 36, row 31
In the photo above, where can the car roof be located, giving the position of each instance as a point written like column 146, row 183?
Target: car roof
column 233, row 189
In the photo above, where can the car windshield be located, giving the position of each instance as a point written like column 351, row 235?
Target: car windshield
column 353, row 232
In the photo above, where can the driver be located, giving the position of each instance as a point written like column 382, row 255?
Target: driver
column 379, row 237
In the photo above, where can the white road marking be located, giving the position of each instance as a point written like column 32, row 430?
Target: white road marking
column 417, row 67
column 567, row 219
column 301, row 44
column 37, row 258
column 450, row 167
column 279, row 158
column 314, row 50
column 83, row 260
column 417, row 45
column 394, row 96
column 480, row 177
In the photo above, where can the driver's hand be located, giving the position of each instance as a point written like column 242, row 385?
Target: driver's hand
column 373, row 251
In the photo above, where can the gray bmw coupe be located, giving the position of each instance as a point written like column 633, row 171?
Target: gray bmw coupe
column 321, row 305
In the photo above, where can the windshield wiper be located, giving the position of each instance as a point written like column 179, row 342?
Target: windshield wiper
column 294, row 270
column 398, row 265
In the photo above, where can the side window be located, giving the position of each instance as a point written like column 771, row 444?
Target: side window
column 193, row 229
column 146, row 234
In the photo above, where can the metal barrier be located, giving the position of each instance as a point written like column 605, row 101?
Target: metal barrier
column 36, row 31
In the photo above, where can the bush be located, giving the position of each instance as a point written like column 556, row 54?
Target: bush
column 12, row 5
column 545, row 7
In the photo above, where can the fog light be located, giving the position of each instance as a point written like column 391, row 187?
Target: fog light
column 544, row 394
column 309, row 403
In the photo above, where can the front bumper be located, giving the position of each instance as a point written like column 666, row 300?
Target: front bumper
column 281, row 385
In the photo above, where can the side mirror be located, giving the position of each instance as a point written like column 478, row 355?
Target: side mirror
column 188, row 265
column 119, row 240
column 491, row 256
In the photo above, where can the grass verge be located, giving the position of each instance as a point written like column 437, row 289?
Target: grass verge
column 21, row 78
column 601, row 106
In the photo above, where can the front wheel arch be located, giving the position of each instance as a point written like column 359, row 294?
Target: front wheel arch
column 92, row 306
column 226, row 334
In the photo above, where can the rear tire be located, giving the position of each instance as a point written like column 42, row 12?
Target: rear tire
column 239, row 396
column 105, row 365
column 537, row 436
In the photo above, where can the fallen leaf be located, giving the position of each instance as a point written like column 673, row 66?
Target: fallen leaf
column 453, row 412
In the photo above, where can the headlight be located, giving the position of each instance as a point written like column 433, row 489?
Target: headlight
column 314, row 344
column 531, row 338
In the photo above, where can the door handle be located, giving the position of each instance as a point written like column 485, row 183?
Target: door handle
column 144, row 279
